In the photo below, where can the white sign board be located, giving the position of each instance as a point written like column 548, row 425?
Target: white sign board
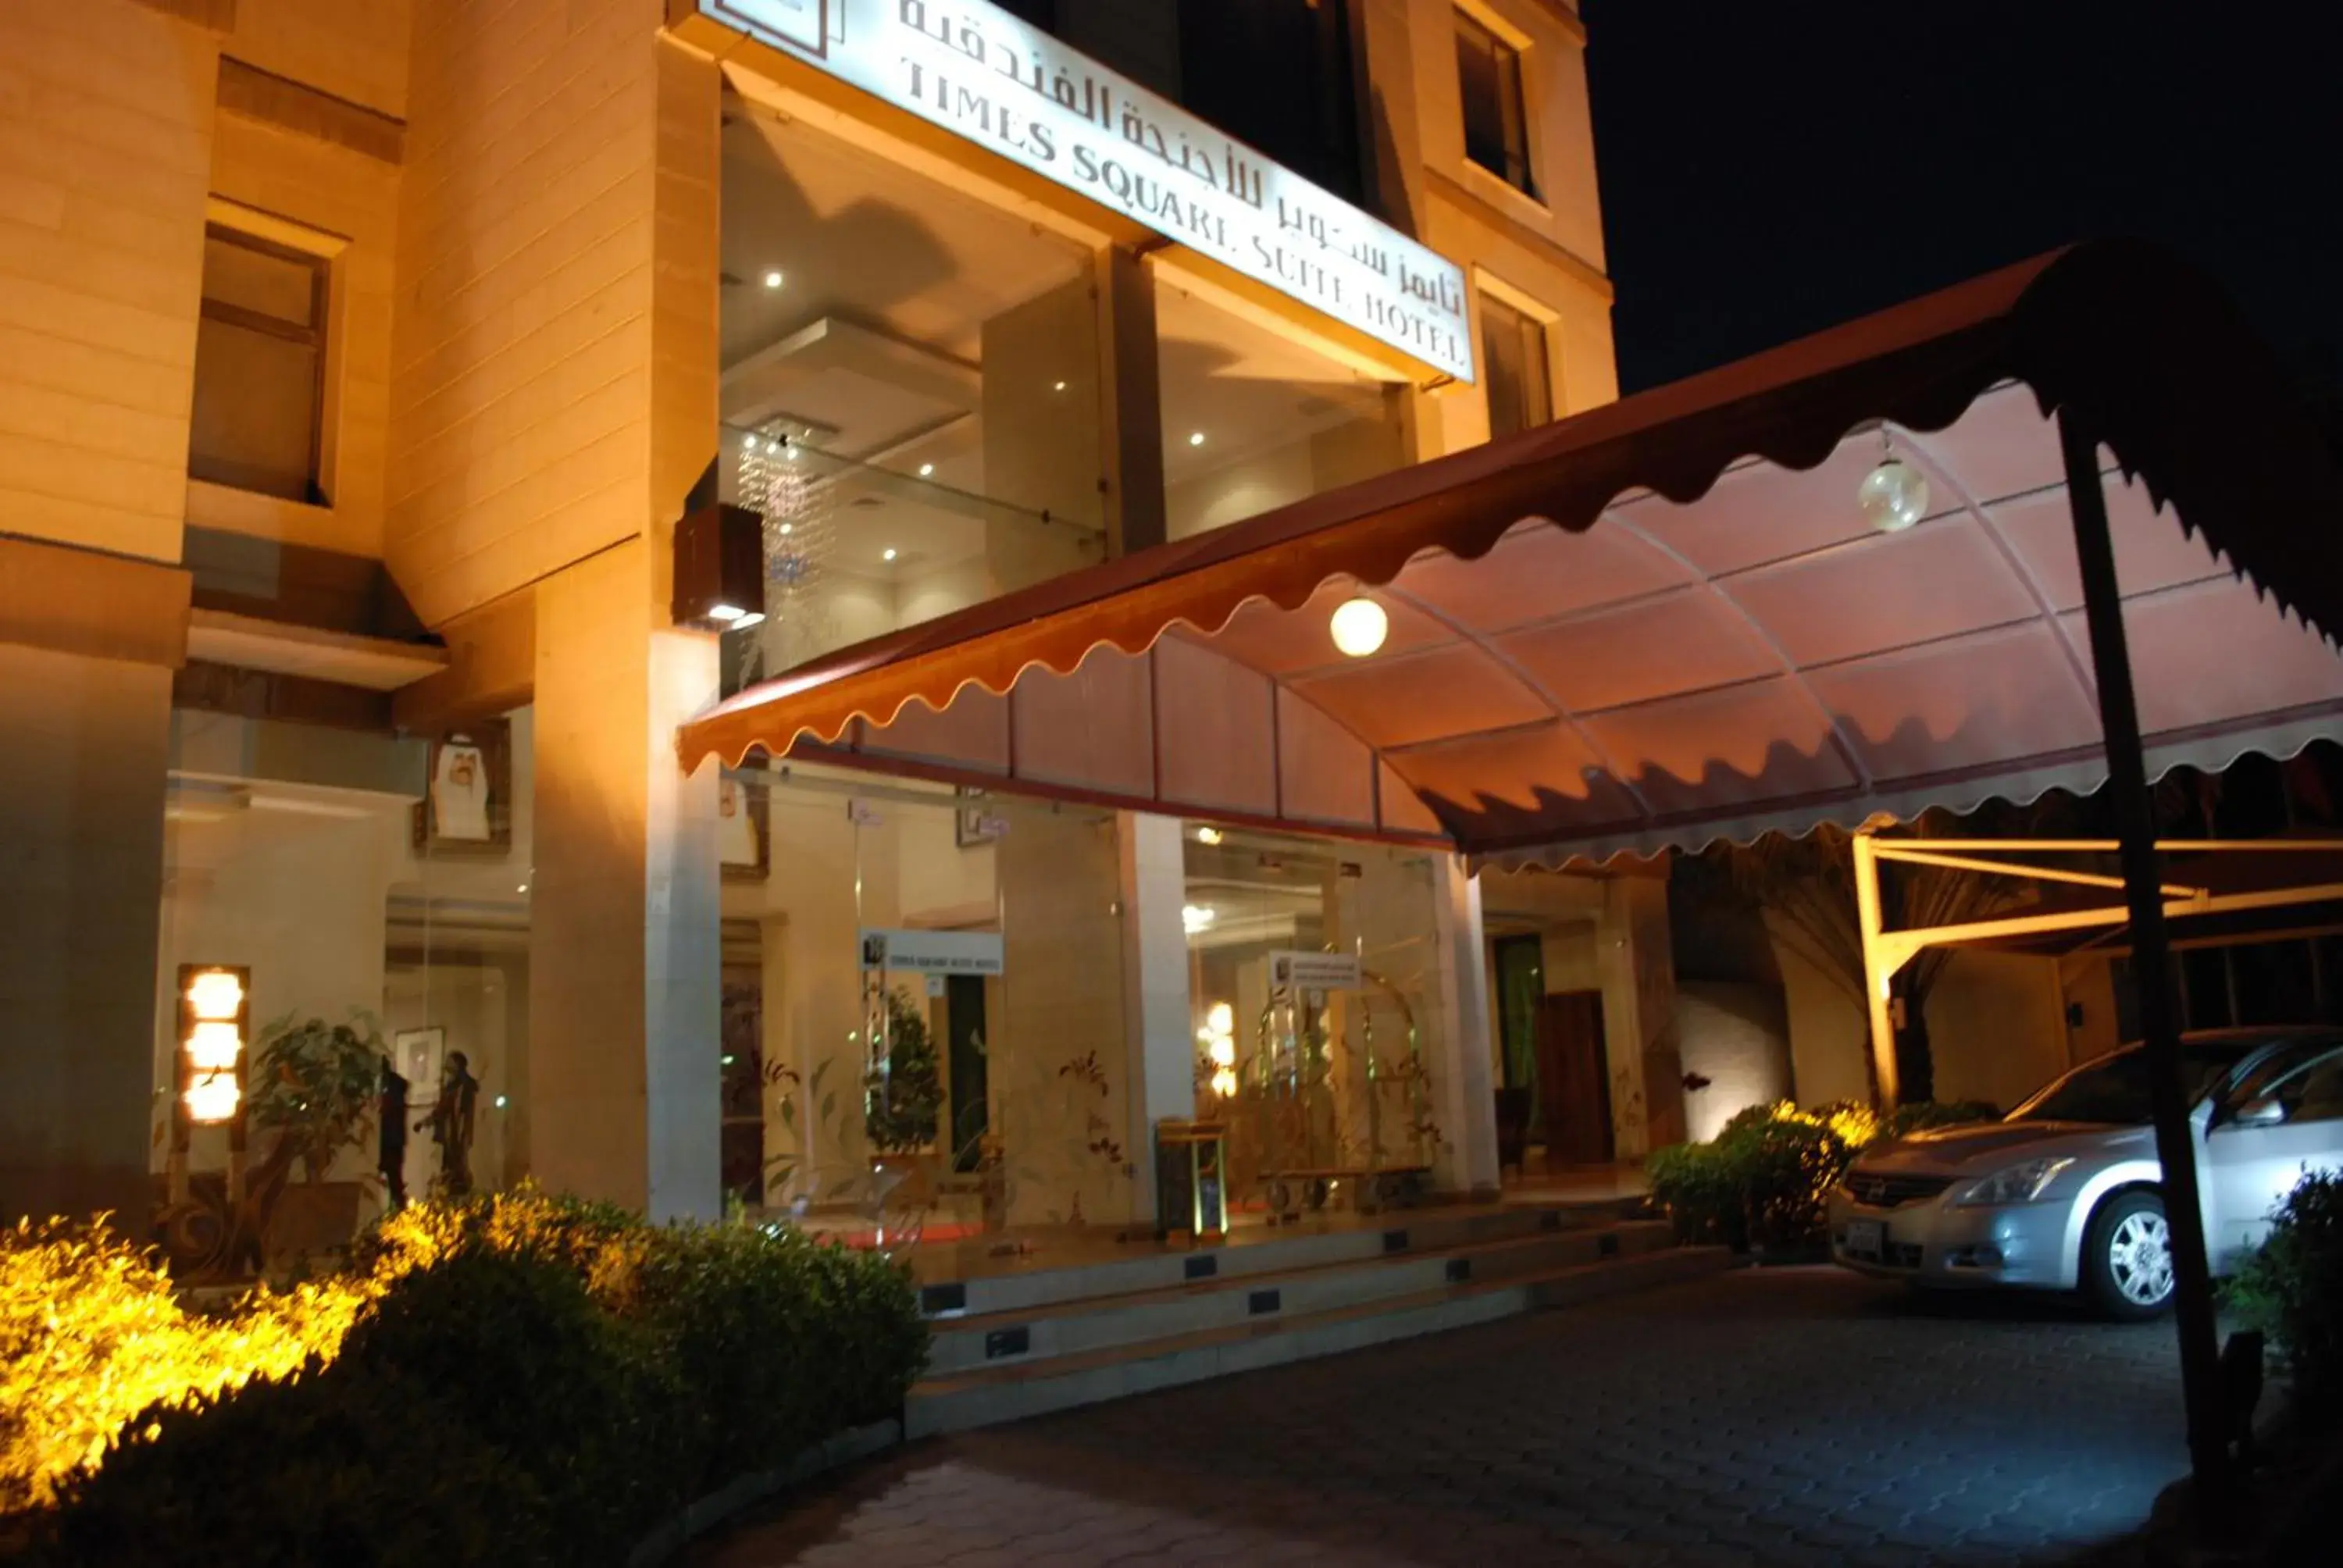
column 981, row 74
column 1290, row 967
column 931, row 953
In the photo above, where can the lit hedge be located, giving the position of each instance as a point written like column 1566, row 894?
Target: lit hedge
column 1765, row 1179
column 514, row 1379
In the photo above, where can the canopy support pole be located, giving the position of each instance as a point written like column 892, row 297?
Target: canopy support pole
column 2151, row 965
column 1877, row 973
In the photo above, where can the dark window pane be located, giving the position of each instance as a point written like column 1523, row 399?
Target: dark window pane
column 255, row 410
column 259, row 368
column 1513, row 369
column 1496, row 126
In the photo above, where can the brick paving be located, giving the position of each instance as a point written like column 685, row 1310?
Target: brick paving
column 1777, row 1416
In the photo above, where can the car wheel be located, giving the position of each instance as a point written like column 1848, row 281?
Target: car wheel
column 2127, row 1257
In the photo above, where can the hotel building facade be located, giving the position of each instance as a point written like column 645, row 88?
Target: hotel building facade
column 362, row 358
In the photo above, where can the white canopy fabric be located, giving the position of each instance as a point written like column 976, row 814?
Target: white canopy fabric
column 1666, row 621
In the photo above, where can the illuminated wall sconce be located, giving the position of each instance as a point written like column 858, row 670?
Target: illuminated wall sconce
column 1219, row 1039
column 719, row 569
column 215, row 1024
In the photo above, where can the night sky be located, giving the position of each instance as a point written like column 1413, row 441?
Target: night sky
column 1770, row 167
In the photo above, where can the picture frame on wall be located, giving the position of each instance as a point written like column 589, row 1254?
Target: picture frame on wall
column 972, row 825
column 467, row 805
column 419, row 1054
column 744, row 828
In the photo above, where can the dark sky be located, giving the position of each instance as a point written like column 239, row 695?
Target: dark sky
column 1770, row 167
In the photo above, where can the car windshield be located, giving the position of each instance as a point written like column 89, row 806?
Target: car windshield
column 2114, row 1089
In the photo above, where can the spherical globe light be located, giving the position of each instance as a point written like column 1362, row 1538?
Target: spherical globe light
column 1893, row 497
column 1360, row 627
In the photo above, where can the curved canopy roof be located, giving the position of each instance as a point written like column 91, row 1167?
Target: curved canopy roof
column 1664, row 620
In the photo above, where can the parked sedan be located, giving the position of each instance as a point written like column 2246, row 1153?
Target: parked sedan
column 2064, row 1194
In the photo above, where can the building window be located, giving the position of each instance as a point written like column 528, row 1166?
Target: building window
column 260, row 367
column 1497, row 128
column 1513, row 368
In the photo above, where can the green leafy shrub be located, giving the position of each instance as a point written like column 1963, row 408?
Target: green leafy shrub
column 1766, row 1179
column 1695, row 1185
column 328, row 1466
column 579, row 1404
column 522, row 1379
column 782, row 1339
column 2291, row 1289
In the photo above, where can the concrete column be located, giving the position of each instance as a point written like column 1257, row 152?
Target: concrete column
column 1468, row 1108
column 625, row 964
column 82, row 774
column 1160, row 1029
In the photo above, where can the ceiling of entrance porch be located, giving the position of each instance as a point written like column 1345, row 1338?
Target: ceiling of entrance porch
column 1746, row 660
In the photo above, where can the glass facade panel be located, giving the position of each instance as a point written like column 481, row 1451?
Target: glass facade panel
column 374, row 892
column 910, row 391
column 1329, row 1093
column 1253, row 420
column 902, row 1100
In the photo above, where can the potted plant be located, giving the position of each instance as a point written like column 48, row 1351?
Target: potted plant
column 315, row 1085
column 904, row 1097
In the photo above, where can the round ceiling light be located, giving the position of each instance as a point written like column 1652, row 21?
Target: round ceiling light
column 1359, row 626
column 1892, row 496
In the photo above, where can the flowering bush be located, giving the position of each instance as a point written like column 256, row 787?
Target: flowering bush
column 511, row 1378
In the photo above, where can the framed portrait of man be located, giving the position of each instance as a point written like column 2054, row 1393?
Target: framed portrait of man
column 467, row 805
column 743, row 829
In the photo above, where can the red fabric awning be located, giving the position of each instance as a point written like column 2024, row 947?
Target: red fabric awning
column 1663, row 620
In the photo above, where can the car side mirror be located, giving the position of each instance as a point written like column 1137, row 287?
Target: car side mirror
column 2263, row 1113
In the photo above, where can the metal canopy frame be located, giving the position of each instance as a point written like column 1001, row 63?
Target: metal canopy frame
column 1885, row 953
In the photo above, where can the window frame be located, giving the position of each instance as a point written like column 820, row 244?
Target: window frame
column 1508, row 59
column 1534, row 329
column 313, row 336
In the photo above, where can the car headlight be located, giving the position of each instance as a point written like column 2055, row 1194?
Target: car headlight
column 2017, row 1184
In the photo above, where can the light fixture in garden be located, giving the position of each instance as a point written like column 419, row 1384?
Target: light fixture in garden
column 215, row 1017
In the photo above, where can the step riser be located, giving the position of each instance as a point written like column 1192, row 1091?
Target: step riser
column 1426, row 1229
column 989, row 1404
column 1077, row 1332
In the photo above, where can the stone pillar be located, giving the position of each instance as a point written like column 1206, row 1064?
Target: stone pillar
column 625, row 965
column 1468, row 1106
column 1158, row 1030
column 82, row 776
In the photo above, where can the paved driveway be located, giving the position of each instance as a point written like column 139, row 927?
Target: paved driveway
column 1792, row 1416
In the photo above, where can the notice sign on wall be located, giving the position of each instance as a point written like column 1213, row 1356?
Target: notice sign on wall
column 981, row 74
column 943, row 953
column 1290, row 968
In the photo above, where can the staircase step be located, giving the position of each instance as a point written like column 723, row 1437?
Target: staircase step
column 1101, row 1323
column 988, row 1396
column 1416, row 1229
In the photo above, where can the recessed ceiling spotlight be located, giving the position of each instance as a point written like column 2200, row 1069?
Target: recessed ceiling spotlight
column 773, row 279
column 888, row 554
column 1196, row 438
column 926, row 468
column 1061, row 386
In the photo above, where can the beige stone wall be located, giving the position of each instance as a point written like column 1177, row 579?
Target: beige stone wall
column 556, row 272
column 353, row 49
column 81, row 819
column 106, row 154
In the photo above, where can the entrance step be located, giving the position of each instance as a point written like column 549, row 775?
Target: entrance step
column 1411, row 1232
column 1001, row 1367
column 1075, row 1327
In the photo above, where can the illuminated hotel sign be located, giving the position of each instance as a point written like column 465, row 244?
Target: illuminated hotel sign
column 981, row 74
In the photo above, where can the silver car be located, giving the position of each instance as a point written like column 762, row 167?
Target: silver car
column 2064, row 1194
